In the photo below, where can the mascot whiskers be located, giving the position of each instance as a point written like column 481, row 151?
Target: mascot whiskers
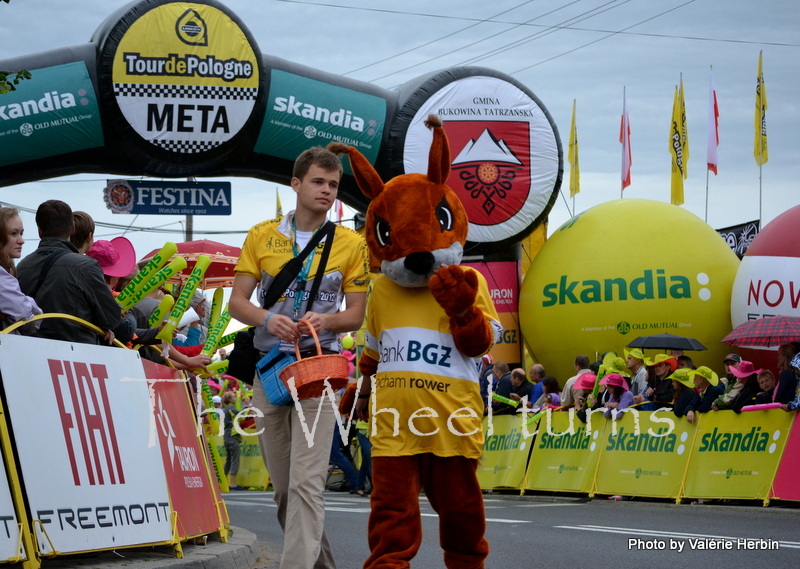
column 427, row 319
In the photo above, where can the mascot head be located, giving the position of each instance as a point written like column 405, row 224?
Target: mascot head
column 415, row 222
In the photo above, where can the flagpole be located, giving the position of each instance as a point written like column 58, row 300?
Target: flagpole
column 706, row 216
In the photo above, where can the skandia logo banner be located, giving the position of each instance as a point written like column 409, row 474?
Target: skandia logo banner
column 303, row 112
column 168, row 198
column 737, row 455
column 505, row 153
column 56, row 113
column 505, row 453
column 185, row 77
column 565, row 457
column 625, row 269
column 83, row 468
column 645, row 454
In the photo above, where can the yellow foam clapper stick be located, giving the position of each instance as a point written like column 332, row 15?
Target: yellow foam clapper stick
column 159, row 260
column 215, row 332
column 200, row 267
column 158, row 279
column 210, row 429
column 164, row 307
column 227, row 339
column 216, row 308
column 505, row 400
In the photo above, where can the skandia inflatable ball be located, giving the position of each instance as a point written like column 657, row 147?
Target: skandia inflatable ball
column 768, row 280
column 624, row 269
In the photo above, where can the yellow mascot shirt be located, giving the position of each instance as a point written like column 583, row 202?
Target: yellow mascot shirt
column 425, row 395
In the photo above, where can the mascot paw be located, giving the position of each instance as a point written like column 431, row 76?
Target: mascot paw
column 454, row 289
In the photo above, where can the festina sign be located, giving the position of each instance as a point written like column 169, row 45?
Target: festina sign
column 168, row 198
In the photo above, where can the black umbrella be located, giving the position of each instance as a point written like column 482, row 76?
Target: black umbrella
column 666, row 342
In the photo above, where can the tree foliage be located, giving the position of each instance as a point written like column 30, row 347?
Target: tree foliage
column 9, row 79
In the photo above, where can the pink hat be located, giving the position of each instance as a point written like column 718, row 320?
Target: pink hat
column 615, row 379
column 745, row 369
column 117, row 257
column 585, row 381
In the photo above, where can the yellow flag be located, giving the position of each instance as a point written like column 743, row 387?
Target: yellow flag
column 278, row 207
column 676, row 150
column 684, row 134
column 760, row 149
column 572, row 156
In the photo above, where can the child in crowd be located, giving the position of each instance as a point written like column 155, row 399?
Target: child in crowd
column 766, row 383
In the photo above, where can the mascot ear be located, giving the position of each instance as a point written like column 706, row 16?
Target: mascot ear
column 439, row 157
column 367, row 178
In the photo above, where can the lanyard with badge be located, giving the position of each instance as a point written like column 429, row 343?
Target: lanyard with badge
column 302, row 277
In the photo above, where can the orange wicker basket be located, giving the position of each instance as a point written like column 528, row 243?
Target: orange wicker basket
column 310, row 373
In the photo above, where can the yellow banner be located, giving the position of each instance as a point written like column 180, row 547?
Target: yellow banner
column 737, row 456
column 676, row 150
column 565, row 459
column 505, row 453
column 644, row 459
column 252, row 472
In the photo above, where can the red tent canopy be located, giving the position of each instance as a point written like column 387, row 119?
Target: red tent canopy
column 219, row 273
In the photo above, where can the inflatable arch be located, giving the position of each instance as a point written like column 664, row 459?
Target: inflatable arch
column 176, row 89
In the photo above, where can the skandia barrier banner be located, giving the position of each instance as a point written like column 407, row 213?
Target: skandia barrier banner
column 10, row 546
column 252, row 472
column 190, row 487
column 565, row 454
column 505, row 452
column 644, row 455
column 785, row 486
column 503, row 281
column 173, row 89
column 614, row 273
column 93, row 477
column 737, row 455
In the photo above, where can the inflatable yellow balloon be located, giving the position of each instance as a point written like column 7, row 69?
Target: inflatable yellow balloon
column 624, row 269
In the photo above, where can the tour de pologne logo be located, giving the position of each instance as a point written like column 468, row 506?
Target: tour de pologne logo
column 491, row 168
column 191, row 28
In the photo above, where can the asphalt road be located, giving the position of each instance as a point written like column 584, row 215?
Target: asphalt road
column 566, row 532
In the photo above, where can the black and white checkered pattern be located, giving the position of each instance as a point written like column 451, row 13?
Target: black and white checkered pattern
column 186, row 146
column 185, row 91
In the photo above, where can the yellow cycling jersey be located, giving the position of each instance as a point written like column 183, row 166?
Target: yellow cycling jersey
column 268, row 247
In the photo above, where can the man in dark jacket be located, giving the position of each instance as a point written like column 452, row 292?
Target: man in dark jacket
column 62, row 280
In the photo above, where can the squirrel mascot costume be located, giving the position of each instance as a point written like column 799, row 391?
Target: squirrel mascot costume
column 427, row 321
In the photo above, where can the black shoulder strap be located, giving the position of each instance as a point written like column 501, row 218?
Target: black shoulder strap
column 291, row 269
column 323, row 261
column 52, row 256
